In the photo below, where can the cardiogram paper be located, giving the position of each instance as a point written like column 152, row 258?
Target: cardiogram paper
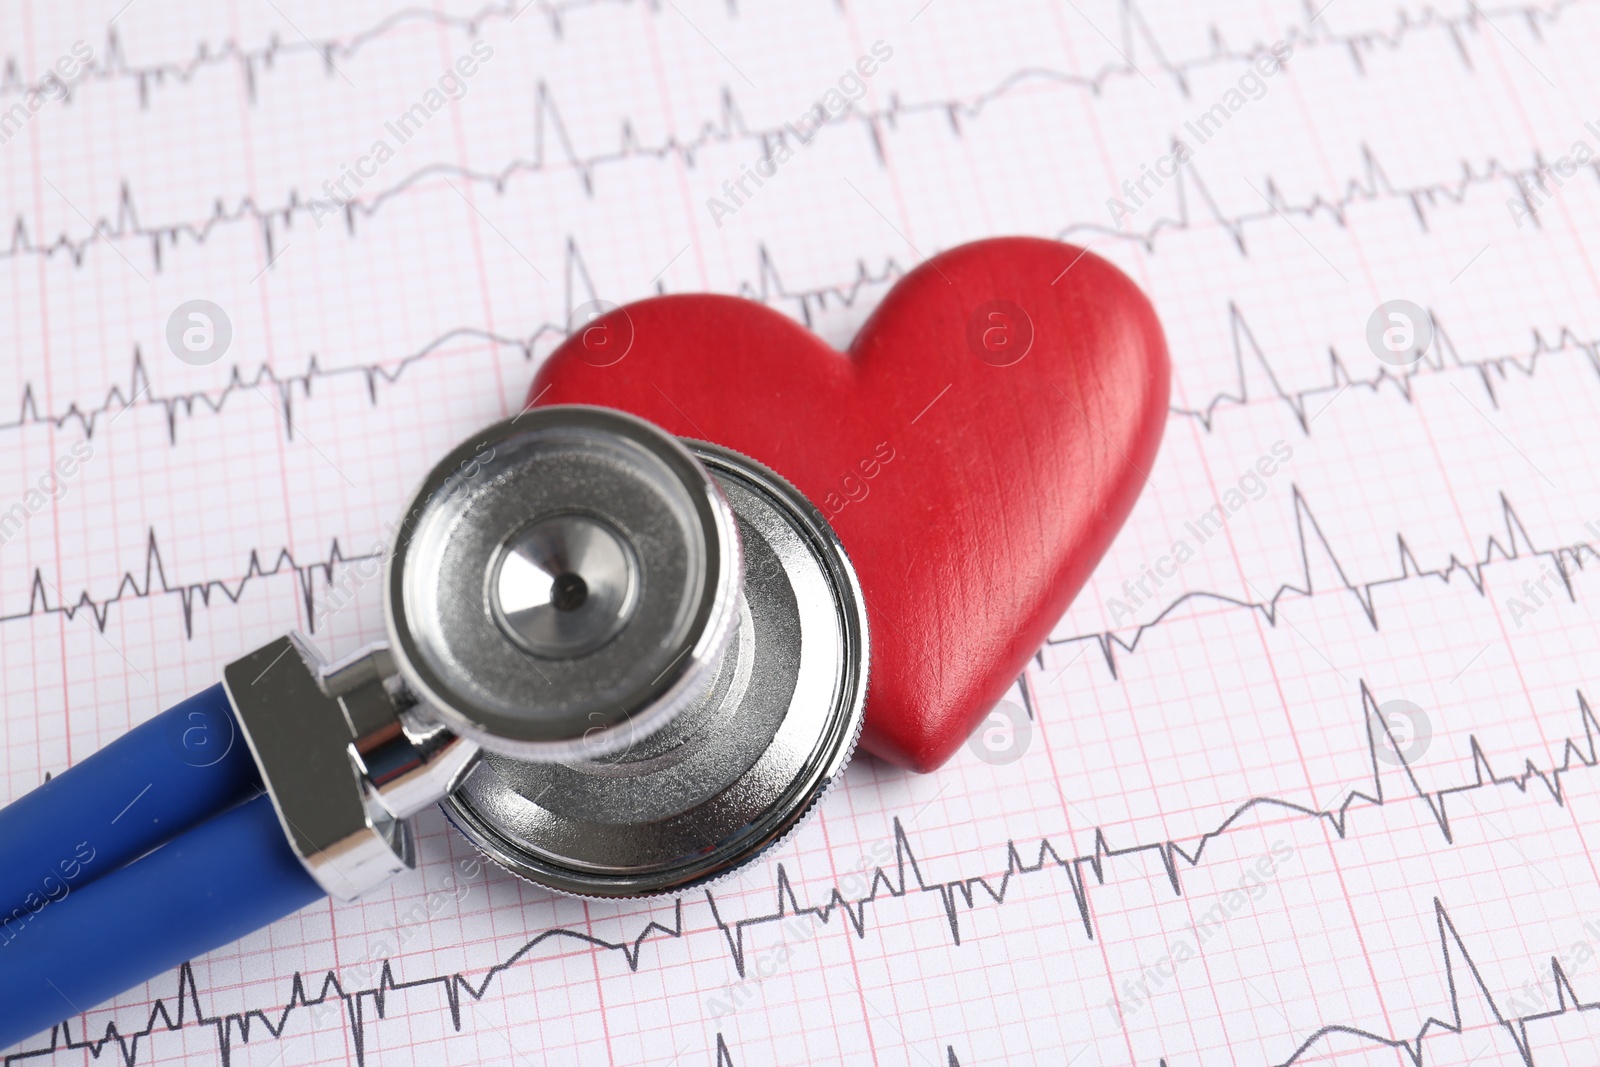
column 1307, row 774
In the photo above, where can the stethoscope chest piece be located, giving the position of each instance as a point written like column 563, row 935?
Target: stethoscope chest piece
column 624, row 664
column 562, row 581
column 660, row 646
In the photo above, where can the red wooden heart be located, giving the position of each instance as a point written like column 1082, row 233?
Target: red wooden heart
column 976, row 450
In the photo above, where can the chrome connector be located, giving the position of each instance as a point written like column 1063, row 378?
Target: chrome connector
column 345, row 756
column 408, row 761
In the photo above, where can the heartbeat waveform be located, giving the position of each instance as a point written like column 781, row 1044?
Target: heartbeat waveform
column 156, row 583
column 906, row 879
column 1248, row 356
column 768, row 288
column 110, row 63
column 1567, row 1000
column 1312, row 543
column 1516, row 545
column 554, row 152
column 807, row 304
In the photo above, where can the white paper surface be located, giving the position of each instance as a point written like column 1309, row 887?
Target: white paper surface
column 1215, row 836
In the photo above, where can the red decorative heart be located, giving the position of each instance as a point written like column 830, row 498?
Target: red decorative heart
column 976, row 450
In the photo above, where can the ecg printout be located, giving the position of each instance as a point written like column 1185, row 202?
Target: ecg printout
column 1321, row 785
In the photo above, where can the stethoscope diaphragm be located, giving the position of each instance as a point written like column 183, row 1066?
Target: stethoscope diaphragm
column 561, row 583
column 736, row 770
column 659, row 647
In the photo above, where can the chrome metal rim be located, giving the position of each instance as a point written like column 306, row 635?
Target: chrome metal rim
column 480, row 652
column 740, row 768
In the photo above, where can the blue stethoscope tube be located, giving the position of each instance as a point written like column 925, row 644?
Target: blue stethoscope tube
column 156, row 849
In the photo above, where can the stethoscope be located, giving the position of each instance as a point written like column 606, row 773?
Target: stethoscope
column 622, row 663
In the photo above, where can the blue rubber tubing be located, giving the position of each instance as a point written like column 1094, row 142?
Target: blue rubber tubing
column 151, row 784
column 205, row 889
